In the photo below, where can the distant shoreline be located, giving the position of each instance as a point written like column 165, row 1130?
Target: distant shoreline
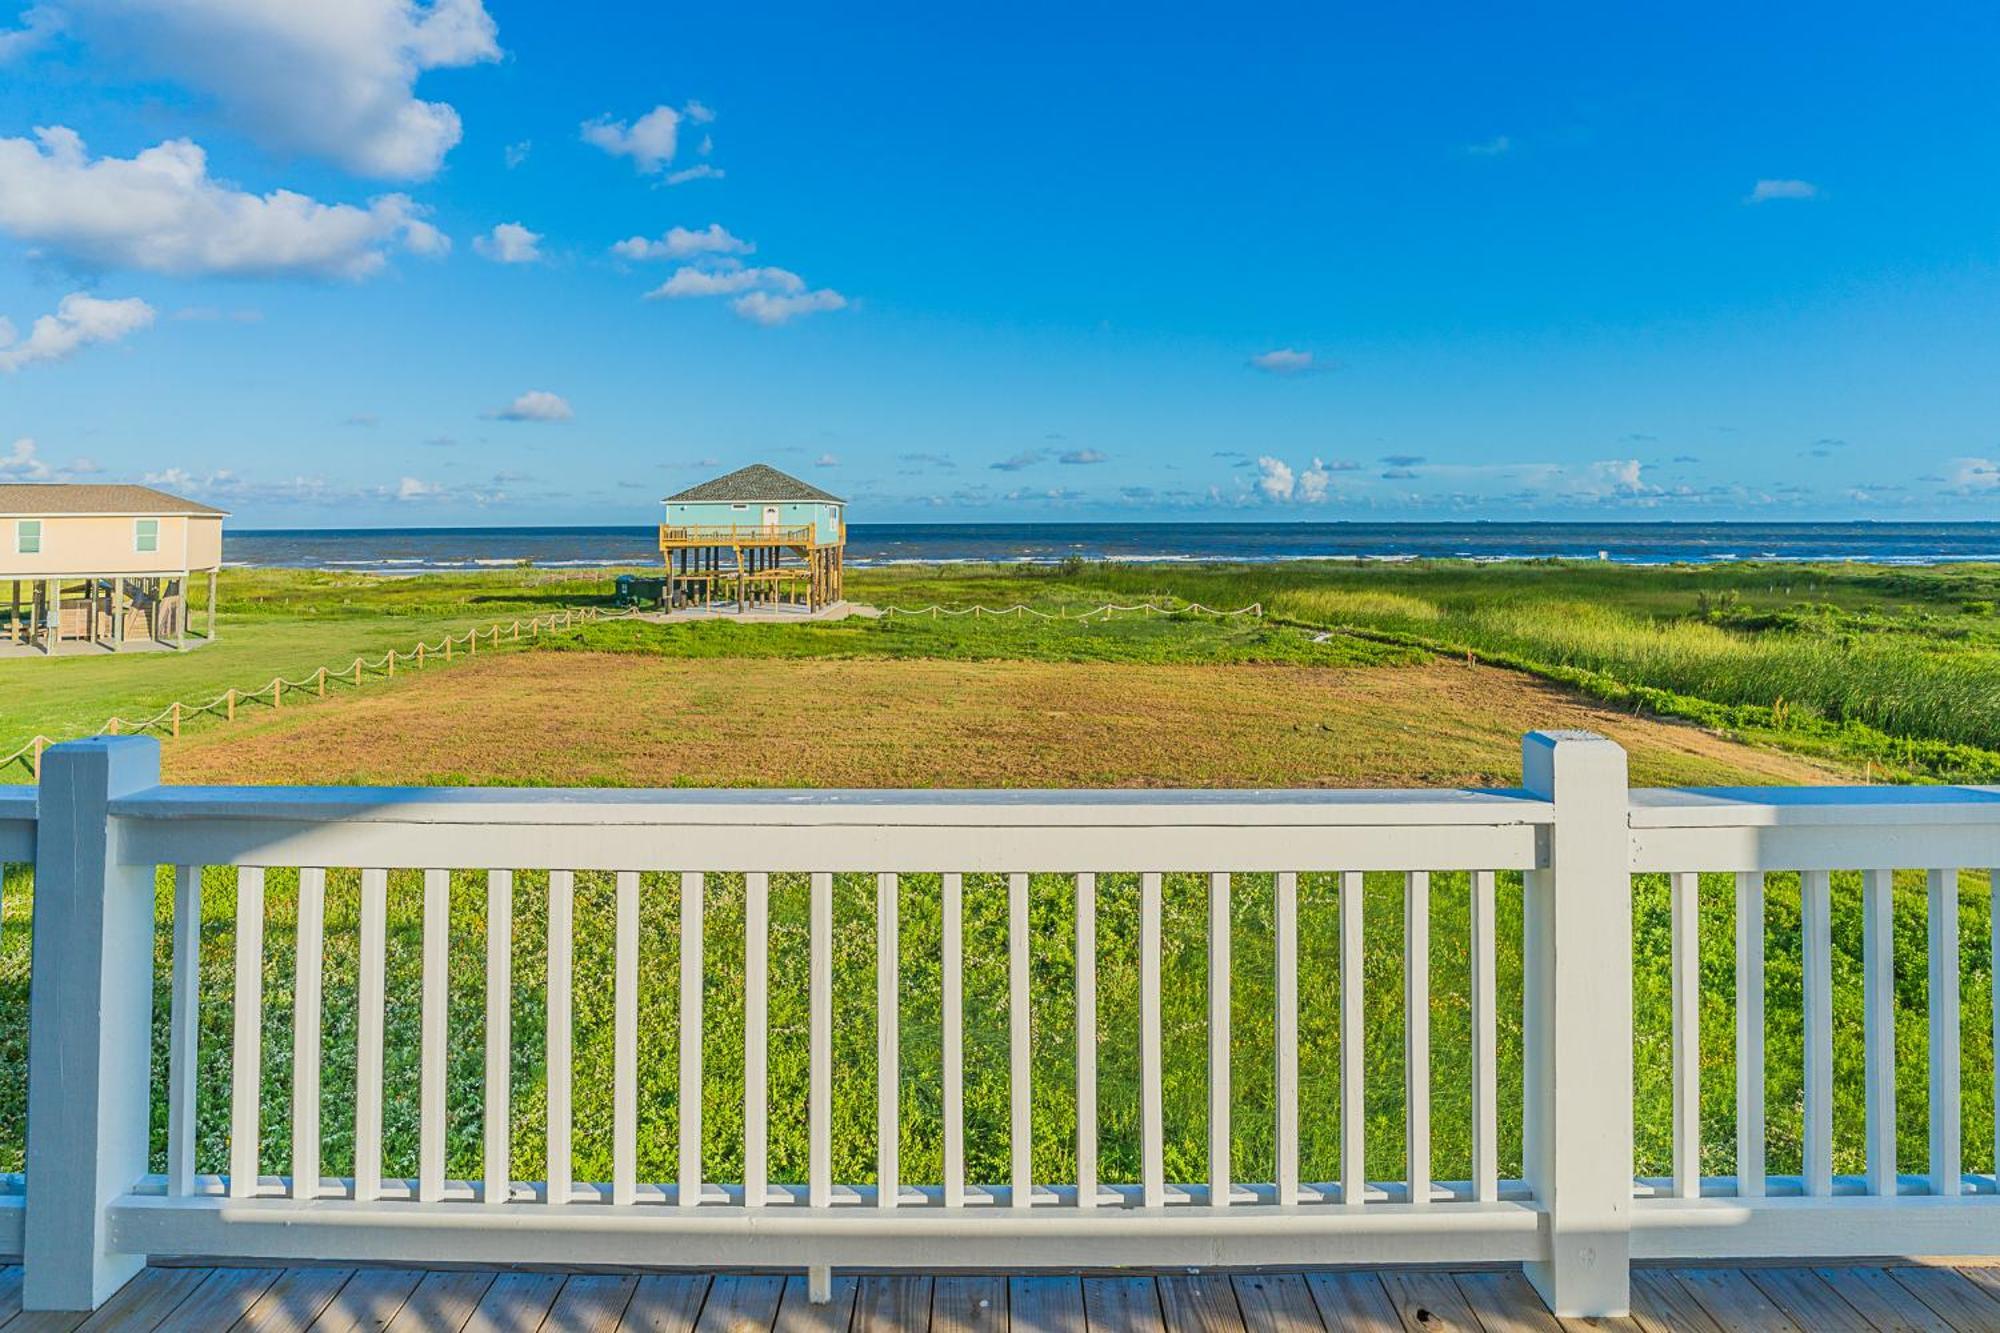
column 876, row 545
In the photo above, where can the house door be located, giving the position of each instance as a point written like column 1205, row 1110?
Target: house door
column 770, row 516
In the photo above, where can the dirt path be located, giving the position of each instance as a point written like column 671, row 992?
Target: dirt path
column 580, row 719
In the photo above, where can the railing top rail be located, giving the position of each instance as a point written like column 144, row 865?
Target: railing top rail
column 17, row 803
column 1774, row 807
column 17, row 824
column 668, row 807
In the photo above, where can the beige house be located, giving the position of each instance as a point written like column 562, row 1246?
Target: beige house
column 103, row 566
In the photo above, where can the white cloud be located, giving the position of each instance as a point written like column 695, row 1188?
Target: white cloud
column 1498, row 146
column 724, row 280
column 510, row 243
column 649, row 141
column 826, row 460
column 698, row 113
column 517, row 153
column 79, row 320
column 161, row 211
column 1082, row 456
column 39, row 23
column 19, row 462
column 682, row 243
column 1970, row 476
column 1313, row 482
column 410, row 488
column 1274, row 478
column 333, row 80
column 1764, row 191
column 536, row 405
column 1283, row 361
column 703, row 172
column 768, row 308
column 1618, row 476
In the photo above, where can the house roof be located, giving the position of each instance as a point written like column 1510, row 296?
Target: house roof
column 43, row 497
column 757, row 483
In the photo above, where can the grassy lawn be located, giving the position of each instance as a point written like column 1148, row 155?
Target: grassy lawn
column 1794, row 674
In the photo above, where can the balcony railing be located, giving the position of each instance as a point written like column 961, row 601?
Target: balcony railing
column 744, row 534
column 841, row 1029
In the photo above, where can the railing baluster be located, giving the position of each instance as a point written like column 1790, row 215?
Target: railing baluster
column 308, row 972
column 1219, row 1186
column 953, row 986
column 1285, row 1086
column 1417, row 1028
column 1020, row 1130
column 1086, row 1040
column 1152, row 1135
column 756, row 1025
column 1944, row 1090
column 184, row 1023
column 368, row 1035
column 1485, row 1043
column 625, row 1042
column 431, row 1081
column 688, row 1195
column 1816, row 918
column 246, row 1060
column 1353, row 1105
column 1878, row 1005
column 1685, row 890
column 888, row 1058
column 562, row 929
column 820, row 1009
column 499, row 1034
column 1750, row 1034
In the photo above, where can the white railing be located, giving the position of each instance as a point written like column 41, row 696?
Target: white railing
column 1558, row 855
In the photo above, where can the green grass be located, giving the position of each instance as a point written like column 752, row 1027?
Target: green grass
column 1054, row 1024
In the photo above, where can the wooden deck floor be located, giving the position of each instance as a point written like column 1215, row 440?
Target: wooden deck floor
column 1498, row 1300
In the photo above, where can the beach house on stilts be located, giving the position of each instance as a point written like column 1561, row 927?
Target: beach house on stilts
column 754, row 539
column 102, row 568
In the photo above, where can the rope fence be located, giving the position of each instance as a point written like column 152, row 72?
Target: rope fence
column 168, row 720
column 1098, row 614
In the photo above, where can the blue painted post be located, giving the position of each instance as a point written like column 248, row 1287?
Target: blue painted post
column 90, row 1023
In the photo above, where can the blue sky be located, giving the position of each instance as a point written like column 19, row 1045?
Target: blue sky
column 362, row 264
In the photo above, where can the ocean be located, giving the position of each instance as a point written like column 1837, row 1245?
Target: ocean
column 414, row 550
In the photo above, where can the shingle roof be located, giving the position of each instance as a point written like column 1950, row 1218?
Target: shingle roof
column 44, row 497
column 756, row 483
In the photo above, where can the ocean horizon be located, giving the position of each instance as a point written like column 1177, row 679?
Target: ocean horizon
column 416, row 550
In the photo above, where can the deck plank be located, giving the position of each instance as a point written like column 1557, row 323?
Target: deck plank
column 1662, row 1305
column 1123, row 1305
column 1045, row 1305
column 590, row 1303
column 443, row 1301
column 1277, row 1303
column 968, row 1304
column 1961, row 1304
column 371, row 1298
column 1808, row 1300
column 1504, row 1302
column 893, row 1303
column 290, row 1304
column 798, row 1314
column 1733, row 1301
column 741, row 1303
column 1428, row 1301
column 666, row 1303
column 1353, row 1303
column 222, row 1299
column 144, row 1301
column 10, row 1292
column 1884, row 1302
column 1200, row 1303
column 515, row 1303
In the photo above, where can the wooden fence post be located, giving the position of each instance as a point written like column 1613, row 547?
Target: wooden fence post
column 447, row 646
column 420, row 654
column 322, row 682
column 277, row 692
column 1576, row 959
column 229, row 704
column 472, row 643
column 35, row 764
column 90, row 1024
column 357, row 668
column 177, row 719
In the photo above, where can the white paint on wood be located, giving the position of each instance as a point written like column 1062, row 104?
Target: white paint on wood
column 625, row 1040
column 1816, row 983
column 1942, row 888
column 953, row 986
column 1020, row 1138
column 756, row 1036
column 819, row 1004
column 1417, row 1031
column 1878, row 1007
column 1353, row 1089
column 888, row 1056
column 689, row 1089
column 1218, row 1041
column 246, row 1060
column 431, row 1057
column 1750, row 1033
column 1285, row 1083
column 1152, row 1135
column 1086, row 1040
column 498, row 1103
column 184, row 1029
column 561, row 961
column 1485, row 1042
column 308, row 972
column 369, row 1000
column 1685, row 912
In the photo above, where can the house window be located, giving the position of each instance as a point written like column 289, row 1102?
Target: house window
column 146, row 534
column 739, row 506
column 28, row 536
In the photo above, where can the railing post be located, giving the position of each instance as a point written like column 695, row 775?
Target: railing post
column 1577, row 1024
column 90, row 1023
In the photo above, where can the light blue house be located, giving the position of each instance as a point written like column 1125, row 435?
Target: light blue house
column 754, row 517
